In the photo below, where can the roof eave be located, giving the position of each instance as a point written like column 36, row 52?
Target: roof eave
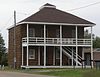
column 48, row 23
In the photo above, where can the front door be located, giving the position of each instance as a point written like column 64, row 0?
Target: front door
column 87, row 59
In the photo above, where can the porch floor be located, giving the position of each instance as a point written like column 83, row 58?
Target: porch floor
column 55, row 66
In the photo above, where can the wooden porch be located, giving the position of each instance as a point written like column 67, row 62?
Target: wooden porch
column 60, row 41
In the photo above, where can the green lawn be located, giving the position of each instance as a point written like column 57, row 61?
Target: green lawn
column 74, row 73
column 60, row 72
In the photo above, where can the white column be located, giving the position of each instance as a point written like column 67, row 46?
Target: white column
column 22, row 55
column 83, row 53
column 91, row 47
column 44, row 45
column 72, row 56
column 83, row 56
column 54, row 56
column 38, row 55
column 44, row 56
column 27, row 42
column 76, row 48
column 61, row 45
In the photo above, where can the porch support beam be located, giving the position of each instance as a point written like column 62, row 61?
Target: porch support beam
column 54, row 56
column 83, row 55
column 91, row 47
column 27, row 43
column 44, row 45
column 72, row 56
column 61, row 46
column 76, row 48
column 38, row 55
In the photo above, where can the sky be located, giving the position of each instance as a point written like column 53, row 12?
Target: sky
column 25, row 8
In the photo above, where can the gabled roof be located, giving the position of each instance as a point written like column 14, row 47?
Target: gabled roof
column 48, row 13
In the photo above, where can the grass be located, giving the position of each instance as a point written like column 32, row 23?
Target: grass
column 74, row 73
column 67, row 73
column 60, row 72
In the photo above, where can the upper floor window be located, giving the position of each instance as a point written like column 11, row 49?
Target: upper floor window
column 57, row 33
column 31, row 32
column 73, row 33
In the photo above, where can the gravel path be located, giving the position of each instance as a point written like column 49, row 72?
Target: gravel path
column 16, row 74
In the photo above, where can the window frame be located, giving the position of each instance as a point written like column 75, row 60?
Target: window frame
column 57, row 54
column 57, row 33
column 31, row 32
column 31, row 56
column 73, row 33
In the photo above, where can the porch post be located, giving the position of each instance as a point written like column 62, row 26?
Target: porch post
column 27, row 42
column 44, row 45
column 61, row 45
column 54, row 56
column 91, row 47
column 22, row 55
column 83, row 55
column 38, row 55
column 72, row 56
column 76, row 48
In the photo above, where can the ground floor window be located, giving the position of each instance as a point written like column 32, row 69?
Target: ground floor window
column 57, row 53
column 31, row 53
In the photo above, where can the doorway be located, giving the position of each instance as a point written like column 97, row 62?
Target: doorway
column 87, row 57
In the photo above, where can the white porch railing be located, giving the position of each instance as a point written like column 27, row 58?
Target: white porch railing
column 65, row 41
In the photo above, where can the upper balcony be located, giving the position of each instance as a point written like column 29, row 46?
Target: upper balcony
column 54, row 35
column 55, row 41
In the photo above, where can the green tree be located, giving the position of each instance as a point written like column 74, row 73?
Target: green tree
column 3, row 58
column 96, row 42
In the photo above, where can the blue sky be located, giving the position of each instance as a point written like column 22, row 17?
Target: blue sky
column 24, row 8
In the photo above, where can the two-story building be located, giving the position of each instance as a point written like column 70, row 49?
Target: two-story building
column 50, row 38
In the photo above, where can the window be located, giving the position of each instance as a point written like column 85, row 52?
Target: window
column 57, row 33
column 31, row 53
column 57, row 54
column 73, row 33
column 31, row 32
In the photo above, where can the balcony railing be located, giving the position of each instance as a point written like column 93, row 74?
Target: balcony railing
column 58, row 41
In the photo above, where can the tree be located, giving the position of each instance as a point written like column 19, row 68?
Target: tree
column 2, row 51
column 88, row 35
column 96, row 42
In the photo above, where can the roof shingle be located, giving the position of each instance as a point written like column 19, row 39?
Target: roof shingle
column 53, row 15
